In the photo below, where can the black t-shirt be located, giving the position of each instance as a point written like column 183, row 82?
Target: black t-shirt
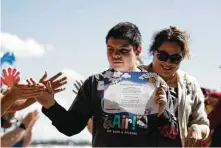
column 109, row 129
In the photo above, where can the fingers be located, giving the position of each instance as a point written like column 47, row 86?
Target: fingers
column 4, row 72
column 29, row 87
column 161, row 101
column 33, row 91
column 35, row 114
column 55, row 77
column 162, row 85
column 3, row 81
column 79, row 84
column 29, row 118
column 33, row 121
column 16, row 74
column 29, row 83
column 9, row 71
column 192, row 141
column 54, row 84
column 17, row 80
column 31, row 95
column 49, row 87
column 64, row 79
column 28, row 92
column 59, row 83
column 160, row 90
column 59, row 90
column 160, row 94
column 76, row 86
column 43, row 77
column 75, row 92
column 33, row 82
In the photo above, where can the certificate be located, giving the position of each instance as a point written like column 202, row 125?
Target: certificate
column 130, row 92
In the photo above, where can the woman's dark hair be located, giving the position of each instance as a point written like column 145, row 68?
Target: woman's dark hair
column 171, row 34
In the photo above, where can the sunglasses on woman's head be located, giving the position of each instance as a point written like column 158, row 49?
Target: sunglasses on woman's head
column 164, row 56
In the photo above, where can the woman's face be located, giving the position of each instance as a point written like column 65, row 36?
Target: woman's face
column 166, row 59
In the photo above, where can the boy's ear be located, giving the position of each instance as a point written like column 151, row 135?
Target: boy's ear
column 139, row 50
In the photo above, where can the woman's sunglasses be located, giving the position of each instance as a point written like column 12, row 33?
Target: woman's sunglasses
column 164, row 56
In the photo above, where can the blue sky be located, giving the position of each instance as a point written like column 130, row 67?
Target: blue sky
column 76, row 30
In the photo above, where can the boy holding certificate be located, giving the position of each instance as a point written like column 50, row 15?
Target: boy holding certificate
column 127, row 103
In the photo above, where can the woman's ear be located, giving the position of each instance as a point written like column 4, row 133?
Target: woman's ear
column 152, row 52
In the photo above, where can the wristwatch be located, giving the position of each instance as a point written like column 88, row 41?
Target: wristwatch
column 22, row 126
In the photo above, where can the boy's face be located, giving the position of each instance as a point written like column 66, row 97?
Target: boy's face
column 121, row 55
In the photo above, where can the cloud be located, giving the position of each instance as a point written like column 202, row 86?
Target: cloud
column 126, row 76
column 23, row 48
column 71, row 74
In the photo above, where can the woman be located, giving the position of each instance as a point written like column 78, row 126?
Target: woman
column 169, row 48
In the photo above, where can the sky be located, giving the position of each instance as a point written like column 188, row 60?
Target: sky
column 69, row 36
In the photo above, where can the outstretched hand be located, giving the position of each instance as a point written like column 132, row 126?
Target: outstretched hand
column 10, row 77
column 56, row 86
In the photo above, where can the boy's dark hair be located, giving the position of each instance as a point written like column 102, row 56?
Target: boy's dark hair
column 171, row 34
column 126, row 31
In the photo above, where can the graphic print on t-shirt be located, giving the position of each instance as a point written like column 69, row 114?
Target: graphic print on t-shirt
column 128, row 100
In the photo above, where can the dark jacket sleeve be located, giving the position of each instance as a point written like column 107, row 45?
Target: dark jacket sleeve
column 74, row 120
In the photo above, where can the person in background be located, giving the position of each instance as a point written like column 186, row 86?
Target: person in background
column 214, row 100
column 21, row 135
